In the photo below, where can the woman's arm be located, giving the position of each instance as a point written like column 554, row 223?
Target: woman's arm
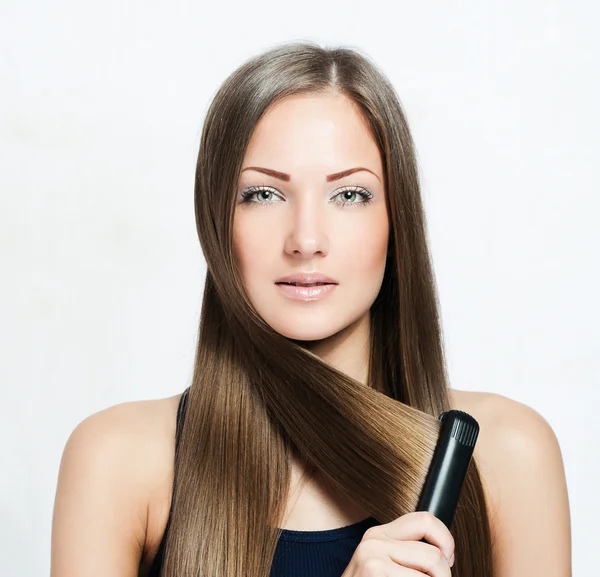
column 521, row 462
column 100, row 509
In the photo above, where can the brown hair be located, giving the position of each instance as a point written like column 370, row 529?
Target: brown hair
column 257, row 398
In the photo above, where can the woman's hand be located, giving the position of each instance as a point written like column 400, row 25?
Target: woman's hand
column 396, row 550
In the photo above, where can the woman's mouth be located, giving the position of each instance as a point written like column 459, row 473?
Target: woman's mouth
column 306, row 292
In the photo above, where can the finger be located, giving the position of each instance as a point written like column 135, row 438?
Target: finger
column 375, row 556
column 398, row 571
column 376, row 569
column 415, row 527
column 421, row 557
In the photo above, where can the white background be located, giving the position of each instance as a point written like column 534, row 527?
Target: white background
column 101, row 107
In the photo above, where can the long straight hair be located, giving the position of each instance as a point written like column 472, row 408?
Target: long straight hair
column 257, row 399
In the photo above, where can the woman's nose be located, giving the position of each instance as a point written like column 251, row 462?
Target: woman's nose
column 307, row 232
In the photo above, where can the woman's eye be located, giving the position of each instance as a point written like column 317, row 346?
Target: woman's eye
column 349, row 195
column 352, row 193
column 260, row 192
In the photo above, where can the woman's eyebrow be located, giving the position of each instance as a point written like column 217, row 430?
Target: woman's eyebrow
column 330, row 177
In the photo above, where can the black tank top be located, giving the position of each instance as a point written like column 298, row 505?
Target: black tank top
column 298, row 553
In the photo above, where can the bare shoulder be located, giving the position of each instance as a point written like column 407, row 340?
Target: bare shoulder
column 113, row 481
column 520, row 460
column 511, row 433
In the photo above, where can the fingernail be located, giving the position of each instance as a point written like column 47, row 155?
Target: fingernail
column 452, row 560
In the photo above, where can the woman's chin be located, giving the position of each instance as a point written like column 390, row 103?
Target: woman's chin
column 302, row 335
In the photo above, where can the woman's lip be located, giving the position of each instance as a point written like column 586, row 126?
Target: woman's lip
column 306, row 293
column 305, row 283
column 306, row 278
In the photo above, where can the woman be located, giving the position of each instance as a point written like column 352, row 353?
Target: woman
column 303, row 442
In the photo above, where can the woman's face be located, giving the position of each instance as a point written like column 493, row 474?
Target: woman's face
column 309, row 223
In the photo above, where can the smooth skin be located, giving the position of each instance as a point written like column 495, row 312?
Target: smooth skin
column 116, row 473
column 396, row 549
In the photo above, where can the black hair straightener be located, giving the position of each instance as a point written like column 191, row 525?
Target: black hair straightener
column 449, row 465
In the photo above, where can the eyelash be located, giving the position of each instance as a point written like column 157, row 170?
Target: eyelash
column 365, row 194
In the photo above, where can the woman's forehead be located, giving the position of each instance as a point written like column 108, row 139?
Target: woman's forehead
column 326, row 133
